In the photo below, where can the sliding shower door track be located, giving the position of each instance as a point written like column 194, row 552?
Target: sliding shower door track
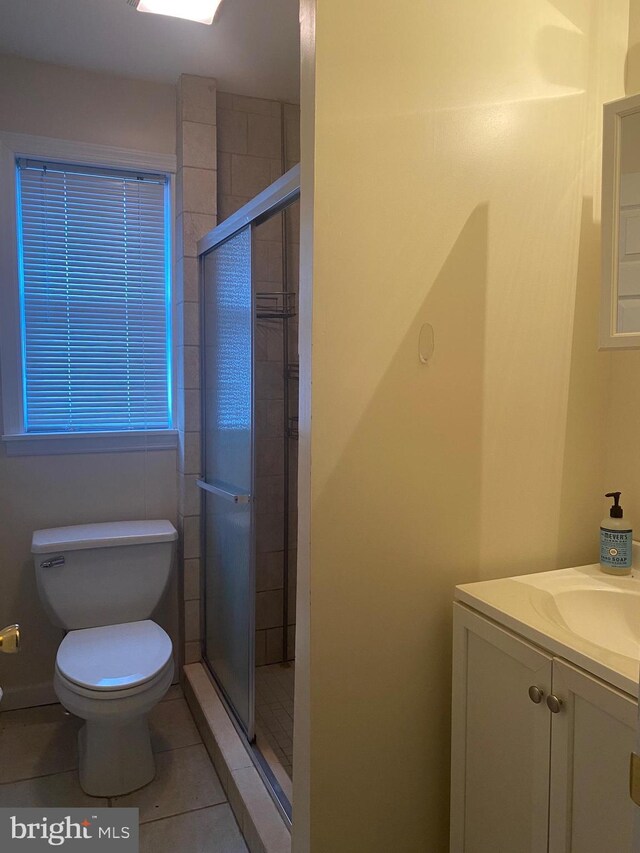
column 265, row 772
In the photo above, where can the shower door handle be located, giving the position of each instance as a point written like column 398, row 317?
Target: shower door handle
column 224, row 492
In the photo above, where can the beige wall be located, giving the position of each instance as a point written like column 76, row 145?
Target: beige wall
column 632, row 79
column 48, row 491
column 455, row 182
column 623, row 407
column 68, row 103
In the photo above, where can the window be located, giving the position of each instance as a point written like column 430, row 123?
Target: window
column 94, row 299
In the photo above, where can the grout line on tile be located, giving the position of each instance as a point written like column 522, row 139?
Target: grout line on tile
column 42, row 776
column 189, row 811
column 178, row 748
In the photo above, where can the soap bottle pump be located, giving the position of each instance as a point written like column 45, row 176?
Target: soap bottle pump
column 615, row 540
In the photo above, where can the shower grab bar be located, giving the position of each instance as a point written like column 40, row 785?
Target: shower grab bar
column 223, row 493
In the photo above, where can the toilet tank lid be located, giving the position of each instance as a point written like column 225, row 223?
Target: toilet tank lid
column 104, row 535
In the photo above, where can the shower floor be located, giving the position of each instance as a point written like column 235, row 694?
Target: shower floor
column 274, row 717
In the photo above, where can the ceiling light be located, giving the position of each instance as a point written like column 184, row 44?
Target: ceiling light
column 202, row 11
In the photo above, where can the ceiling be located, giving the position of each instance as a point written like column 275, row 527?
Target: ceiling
column 252, row 48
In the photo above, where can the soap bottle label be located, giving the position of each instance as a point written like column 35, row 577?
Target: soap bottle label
column 615, row 548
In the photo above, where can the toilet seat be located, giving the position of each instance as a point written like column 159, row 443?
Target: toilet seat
column 104, row 697
column 114, row 658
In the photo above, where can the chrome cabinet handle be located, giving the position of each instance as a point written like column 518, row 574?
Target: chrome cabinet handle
column 554, row 704
column 634, row 778
column 536, row 694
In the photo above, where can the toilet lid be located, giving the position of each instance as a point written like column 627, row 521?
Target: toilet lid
column 114, row 657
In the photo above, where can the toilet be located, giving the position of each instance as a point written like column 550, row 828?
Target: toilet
column 101, row 583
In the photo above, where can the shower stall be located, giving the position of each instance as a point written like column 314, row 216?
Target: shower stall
column 249, row 378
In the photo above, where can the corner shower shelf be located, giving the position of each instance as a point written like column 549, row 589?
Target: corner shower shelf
column 275, row 305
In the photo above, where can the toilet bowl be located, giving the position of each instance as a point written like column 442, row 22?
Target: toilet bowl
column 114, row 665
column 112, row 677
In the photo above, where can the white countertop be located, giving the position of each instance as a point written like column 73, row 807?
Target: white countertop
column 526, row 606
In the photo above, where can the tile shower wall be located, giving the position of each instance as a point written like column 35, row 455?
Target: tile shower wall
column 292, row 226
column 258, row 140
column 196, row 203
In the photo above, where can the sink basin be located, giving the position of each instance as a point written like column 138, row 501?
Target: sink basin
column 588, row 618
column 610, row 618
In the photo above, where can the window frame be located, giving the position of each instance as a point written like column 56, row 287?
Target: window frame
column 17, row 441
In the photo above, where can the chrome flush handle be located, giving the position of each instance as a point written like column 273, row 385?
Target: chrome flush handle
column 52, row 563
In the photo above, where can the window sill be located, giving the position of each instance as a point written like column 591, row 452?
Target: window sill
column 46, row 444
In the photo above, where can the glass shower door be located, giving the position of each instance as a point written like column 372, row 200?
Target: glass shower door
column 228, row 471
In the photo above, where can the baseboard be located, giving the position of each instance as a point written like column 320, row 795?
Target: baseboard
column 28, row 697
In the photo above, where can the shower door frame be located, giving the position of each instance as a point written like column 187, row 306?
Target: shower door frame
column 275, row 198
column 272, row 200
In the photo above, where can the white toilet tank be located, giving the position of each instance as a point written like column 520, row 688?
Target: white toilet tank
column 103, row 574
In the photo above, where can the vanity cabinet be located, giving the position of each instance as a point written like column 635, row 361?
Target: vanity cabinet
column 540, row 749
column 592, row 738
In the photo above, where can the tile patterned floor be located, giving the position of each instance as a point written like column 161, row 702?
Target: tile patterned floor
column 274, row 710
column 184, row 808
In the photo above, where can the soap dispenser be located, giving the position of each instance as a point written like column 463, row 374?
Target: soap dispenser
column 615, row 540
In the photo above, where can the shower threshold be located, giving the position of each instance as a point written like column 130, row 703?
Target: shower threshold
column 259, row 802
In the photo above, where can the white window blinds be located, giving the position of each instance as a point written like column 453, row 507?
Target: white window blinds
column 95, row 306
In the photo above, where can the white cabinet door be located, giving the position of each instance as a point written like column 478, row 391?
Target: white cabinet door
column 500, row 742
column 636, row 812
column 592, row 737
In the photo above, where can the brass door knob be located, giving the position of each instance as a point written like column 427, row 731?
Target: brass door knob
column 10, row 639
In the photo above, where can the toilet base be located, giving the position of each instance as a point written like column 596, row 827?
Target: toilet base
column 115, row 759
column 114, row 744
